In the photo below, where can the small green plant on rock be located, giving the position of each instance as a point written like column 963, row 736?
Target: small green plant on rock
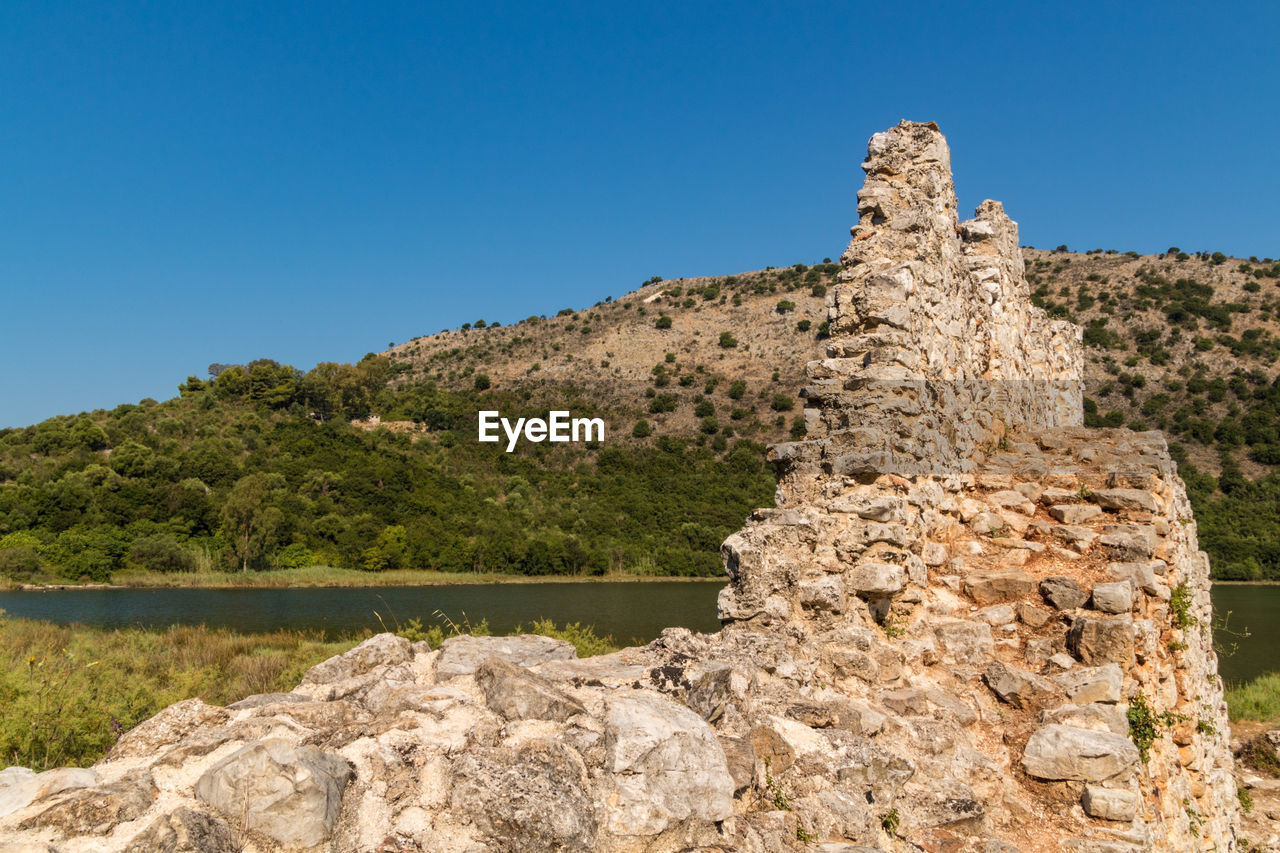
column 777, row 797
column 891, row 821
column 1145, row 724
column 1194, row 820
column 1245, row 798
column 1180, row 606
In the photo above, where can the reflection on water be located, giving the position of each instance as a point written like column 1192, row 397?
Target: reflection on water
column 633, row 612
column 1252, row 610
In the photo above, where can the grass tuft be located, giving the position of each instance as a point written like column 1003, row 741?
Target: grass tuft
column 1255, row 700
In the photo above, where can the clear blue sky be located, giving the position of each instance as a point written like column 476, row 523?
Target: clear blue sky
column 185, row 183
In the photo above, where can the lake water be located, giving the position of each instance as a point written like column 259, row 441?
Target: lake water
column 632, row 612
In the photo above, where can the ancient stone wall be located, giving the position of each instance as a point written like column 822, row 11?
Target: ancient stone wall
column 946, row 494
column 968, row 625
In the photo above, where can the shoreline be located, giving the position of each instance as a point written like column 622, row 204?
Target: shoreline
column 355, row 579
column 328, row 578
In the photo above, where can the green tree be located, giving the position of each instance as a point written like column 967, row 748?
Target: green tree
column 248, row 519
column 389, row 551
column 85, row 433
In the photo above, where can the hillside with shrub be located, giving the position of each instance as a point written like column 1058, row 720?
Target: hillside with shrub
column 375, row 466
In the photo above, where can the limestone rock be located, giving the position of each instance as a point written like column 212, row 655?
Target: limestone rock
column 28, row 787
column 1074, row 513
column 1033, row 616
column 532, row 796
column 873, row 578
column 996, row 585
column 518, row 694
column 461, row 655
column 825, row 593
column 1059, row 752
column 378, row 650
column 96, row 810
column 1098, row 640
column 1015, row 686
column 1092, row 684
column 665, row 765
column 1063, row 593
column 1141, row 574
column 965, row 642
column 1097, row 716
column 740, row 757
column 1129, row 499
column 1109, row 803
column 1010, row 499
column 289, row 793
column 185, row 830
column 1113, row 597
column 167, row 728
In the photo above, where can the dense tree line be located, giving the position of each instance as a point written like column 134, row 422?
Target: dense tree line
column 260, row 467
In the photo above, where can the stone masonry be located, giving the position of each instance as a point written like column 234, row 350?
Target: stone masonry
column 969, row 625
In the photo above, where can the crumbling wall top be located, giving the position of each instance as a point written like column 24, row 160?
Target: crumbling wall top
column 932, row 317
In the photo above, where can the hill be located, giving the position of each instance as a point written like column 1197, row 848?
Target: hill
column 376, row 465
column 1180, row 342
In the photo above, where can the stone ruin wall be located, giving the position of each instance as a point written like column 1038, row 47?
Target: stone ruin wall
column 930, row 643
column 947, row 483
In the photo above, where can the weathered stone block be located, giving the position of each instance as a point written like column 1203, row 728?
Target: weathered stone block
column 965, row 642
column 1074, row 513
column 995, row 585
column 1102, row 639
column 1033, row 616
column 531, row 796
column 461, row 655
column 290, row 793
column 1092, row 684
column 875, row 579
column 1126, row 499
column 26, row 788
column 665, row 766
column 1113, row 597
column 517, row 694
column 1109, row 803
column 1058, row 752
column 1097, row 716
column 1016, row 687
column 1063, row 593
column 825, row 593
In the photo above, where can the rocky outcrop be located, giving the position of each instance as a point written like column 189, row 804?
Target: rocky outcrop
column 969, row 624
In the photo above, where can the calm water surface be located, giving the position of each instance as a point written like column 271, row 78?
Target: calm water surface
column 631, row 612
column 1252, row 610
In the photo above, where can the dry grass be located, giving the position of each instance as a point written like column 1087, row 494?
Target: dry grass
column 68, row 692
